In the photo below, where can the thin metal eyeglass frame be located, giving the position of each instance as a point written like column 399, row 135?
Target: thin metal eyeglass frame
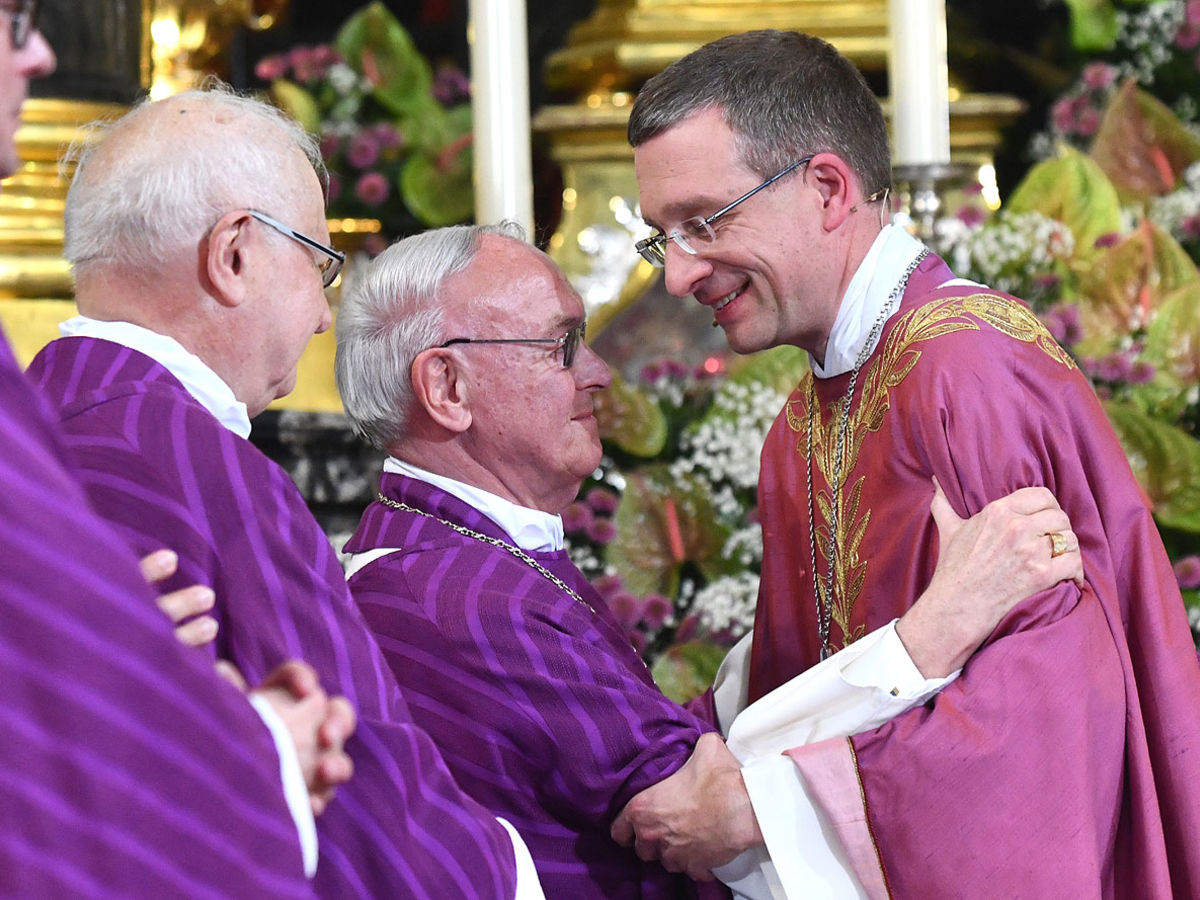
column 24, row 15
column 654, row 249
column 569, row 342
column 336, row 258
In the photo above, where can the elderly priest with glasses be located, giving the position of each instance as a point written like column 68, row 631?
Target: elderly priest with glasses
column 461, row 354
column 196, row 301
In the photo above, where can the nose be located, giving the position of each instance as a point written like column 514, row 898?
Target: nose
column 37, row 57
column 590, row 371
column 326, row 321
column 684, row 271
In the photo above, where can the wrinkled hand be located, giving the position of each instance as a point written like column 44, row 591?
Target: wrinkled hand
column 319, row 726
column 987, row 564
column 695, row 820
column 186, row 603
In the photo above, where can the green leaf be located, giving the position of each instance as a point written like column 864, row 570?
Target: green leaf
column 780, row 367
column 376, row 45
column 663, row 522
column 1074, row 190
column 1093, row 24
column 684, row 671
column 438, row 188
column 297, row 103
column 1142, row 146
column 631, row 419
column 1166, row 462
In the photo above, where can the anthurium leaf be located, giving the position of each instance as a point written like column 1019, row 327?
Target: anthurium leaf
column 1075, row 191
column 374, row 43
column 780, row 367
column 663, row 522
column 1166, row 462
column 685, row 671
column 297, row 103
column 1142, row 146
column 1093, row 24
column 631, row 419
column 437, row 188
column 1122, row 286
column 1173, row 337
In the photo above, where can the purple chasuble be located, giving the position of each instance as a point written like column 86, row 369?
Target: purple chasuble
column 127, row 767
column 164, row 471
column 544, row 711
column 1065, row 762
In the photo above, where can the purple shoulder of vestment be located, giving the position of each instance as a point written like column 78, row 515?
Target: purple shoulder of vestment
column 164, row 471
column 544, row 711
column 128, row 767
column 1080, row 716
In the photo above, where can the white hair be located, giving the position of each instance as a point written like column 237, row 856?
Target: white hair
column 393, row 313
column 164, row 188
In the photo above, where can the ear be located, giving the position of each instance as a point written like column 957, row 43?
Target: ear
column 442, row 389
column 834, row 180
column 224, row 258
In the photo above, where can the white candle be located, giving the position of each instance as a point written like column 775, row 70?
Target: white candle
column 918, row 82
column 500, row 100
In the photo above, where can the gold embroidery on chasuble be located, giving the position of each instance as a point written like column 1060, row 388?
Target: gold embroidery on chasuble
column 890, row 366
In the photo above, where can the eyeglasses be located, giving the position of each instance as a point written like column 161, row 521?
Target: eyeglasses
column 569, row 342
column 24, row 14
column 329, row 267
column 698, row 231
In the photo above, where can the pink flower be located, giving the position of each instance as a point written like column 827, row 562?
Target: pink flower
column 602, row 501
column 1062, row 115
column 330, row 143
column 608, row 585
column 1190, row 227
column 372, row 189
column 602, row 531
column 651, row 372
column 363, row 150
column 974, row 189
column 626, row 608
column 576, row 518
column 1191, row 13
column 1099, row 75
column 1187, row 572
column 335, row 187
column 271, row 67
column 1088, row 122
column 388, row 136
column 374, row 244
column 450, row 86
column 306, row 64
column 656, row 609
column 971, row 215
column 687, row 629
column 1187, row 37
column 1142, row 372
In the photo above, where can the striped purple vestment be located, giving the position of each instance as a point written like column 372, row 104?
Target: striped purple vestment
column 542, row 708
column 166, row 473
column 127, row 768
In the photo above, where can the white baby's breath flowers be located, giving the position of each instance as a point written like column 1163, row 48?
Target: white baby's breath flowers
column 1009, row 251
column 1148, row 35
column 728, row 603
column 1172, row 210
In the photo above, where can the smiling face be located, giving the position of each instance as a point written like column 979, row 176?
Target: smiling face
column 532, row 427
column 772, row 275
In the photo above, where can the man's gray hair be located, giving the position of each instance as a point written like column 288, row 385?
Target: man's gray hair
column 785, row 95
column 165, row 187
column 393, row 313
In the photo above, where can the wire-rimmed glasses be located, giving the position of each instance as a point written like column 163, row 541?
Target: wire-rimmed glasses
column 698, row 231
column 24, row 14
column 569, row 342
column 329, row 267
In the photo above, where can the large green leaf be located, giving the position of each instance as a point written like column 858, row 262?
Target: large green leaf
column 1093, row 24
column 297, row 103
column 1166, row 462
column 437, row 188
column 687, row 670
column 663, row 522
column 631, row 419
column 1142, row 146
column 374, row 43
column 1074, row 190
column 780, row 367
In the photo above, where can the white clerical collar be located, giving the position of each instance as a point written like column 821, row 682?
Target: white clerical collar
column 530, row 529
column 201, row 382
column 890, row 254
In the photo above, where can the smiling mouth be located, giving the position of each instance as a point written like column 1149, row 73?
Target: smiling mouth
column 728, row 298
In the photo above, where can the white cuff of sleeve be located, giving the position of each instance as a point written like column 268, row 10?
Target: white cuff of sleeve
column 887, row 667
column 529, row 886
column 295, row 790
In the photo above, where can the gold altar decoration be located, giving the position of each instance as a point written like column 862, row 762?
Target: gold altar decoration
column 610, row 54
column 184, row 40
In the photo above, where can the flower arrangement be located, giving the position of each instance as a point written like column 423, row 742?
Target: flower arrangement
column 395, row 134
column 667, row 529
column 1104, row 243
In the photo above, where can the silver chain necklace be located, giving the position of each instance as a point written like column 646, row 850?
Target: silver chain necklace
column 824, row 599
column 495, row 542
